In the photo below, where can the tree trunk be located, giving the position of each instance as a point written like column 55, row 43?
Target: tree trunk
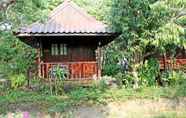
column 136, row 79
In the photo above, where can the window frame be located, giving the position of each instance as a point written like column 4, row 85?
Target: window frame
column 54, row 49
column 63, row 51
column 59, row 49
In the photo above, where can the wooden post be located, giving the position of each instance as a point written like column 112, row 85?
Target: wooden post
column 47, row 70
column 164, row 61
column 39, row 61
column 99, row 60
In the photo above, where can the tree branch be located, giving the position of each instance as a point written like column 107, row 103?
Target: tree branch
column 5, row 3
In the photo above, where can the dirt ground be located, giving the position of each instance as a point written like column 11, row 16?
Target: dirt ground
column 135, row 109
column 161, row 108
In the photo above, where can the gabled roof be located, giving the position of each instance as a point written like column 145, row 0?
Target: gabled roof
column 67, row 18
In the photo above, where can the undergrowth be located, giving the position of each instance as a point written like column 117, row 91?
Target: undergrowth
column 91, row 95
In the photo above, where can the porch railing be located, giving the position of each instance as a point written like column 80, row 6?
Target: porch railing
column 174, row 64
column 76, row 70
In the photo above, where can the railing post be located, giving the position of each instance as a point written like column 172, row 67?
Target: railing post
column 43, row 70
column 39, row 62
column 81, row 72
column 47, row 70
column 99, row 61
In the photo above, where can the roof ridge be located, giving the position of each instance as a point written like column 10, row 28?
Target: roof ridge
column 75, row 6
column 54, row 12
column 82, row 12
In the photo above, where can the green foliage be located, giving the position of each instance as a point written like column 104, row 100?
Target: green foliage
column 61, row 73
column 89, row 95
column 59, row 107
column 15, row 57
column 92, row 95
column 58, row 75
column 148, row 27
column 148, row 72
column 125, row 79
column 110, row 69
column 182, row 21
column 172, row 114
column 130, row 17
column 173, row 77
column 107, row 82
column 79, row 94
column 17, row 80
column 181, row 87
column 102, row 85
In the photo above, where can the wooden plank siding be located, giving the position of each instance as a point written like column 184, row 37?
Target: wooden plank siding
column 173, row 64
column 80, row 59
column 76, row 51
column 77, row 70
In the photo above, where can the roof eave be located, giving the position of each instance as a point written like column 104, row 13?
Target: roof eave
column 66, row 34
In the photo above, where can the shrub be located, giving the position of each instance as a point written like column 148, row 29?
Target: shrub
column 173, row 77
column 105, row 83
column 148, row 72
column 102, row 85
column 181, row 87
column 17, row 81
column 59, row 107
column 111, row 69
column 108, row 81
column 125, row 79
column 57, row 75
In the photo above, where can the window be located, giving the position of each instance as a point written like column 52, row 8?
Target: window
column 41, row 47
column 54, row 49
column 63, row 49
column 60, row 49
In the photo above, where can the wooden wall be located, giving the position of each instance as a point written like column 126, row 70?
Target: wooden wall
column 77, row 51
column 178, row 62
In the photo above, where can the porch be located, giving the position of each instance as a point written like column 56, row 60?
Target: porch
column 76, row 70
column 175, row 64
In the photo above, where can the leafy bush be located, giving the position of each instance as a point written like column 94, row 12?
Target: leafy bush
column 17, row 80
column 107, row 81
column 15, row 56
column 172, row 77
column 57, row 75
column 60, row 107
column 79, row 94
column 126, row 80
column 102, row 84
column 181, row 88
column 148, row 72
column 110, row 69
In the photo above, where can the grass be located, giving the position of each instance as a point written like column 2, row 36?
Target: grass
column 172, row 114
column 78, row 96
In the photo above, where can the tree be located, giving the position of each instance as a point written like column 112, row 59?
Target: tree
column 148, row 27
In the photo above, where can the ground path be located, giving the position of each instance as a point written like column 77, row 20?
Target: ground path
column 162, row 108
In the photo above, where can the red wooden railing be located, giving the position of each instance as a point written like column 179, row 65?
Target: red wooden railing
column 174, row 64
column 77, row 70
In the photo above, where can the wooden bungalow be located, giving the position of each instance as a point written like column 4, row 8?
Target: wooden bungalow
column 176, row 63
column 70, row 38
